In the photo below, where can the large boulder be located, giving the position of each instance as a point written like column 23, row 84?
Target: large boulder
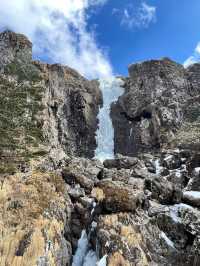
column 118, row 196
column 83, row 172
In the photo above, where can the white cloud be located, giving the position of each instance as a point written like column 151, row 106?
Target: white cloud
column 197, row 49
column 58, row 30
column 195, row 58
column 136, row 16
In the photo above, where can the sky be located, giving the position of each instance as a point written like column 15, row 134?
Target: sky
column 101, row 38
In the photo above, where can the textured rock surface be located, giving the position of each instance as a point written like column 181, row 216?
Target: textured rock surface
column 47, row 113
column 160, row 106
column 70, row 116
column 35, row 212
column 152, row 233
column 52, row 104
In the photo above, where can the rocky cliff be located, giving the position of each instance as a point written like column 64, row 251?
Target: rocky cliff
column 141, row 208
column 51, row 107
column 160, row 105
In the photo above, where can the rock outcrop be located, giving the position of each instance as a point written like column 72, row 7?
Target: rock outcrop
column 45, row 101
column 160, row 106
column 35, row 215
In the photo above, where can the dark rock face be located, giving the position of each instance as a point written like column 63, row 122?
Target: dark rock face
column 72, row 105
column 155, row 105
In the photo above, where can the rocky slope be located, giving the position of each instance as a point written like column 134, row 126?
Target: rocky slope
column 137, row 210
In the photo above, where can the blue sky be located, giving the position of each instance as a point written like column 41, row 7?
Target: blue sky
column 100, row 38
column 174, row 34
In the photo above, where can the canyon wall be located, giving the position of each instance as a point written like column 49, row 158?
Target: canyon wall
column 142, row 209
column 160, row 103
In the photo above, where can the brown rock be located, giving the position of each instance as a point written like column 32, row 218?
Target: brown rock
column 120, row 197
column 34, row 214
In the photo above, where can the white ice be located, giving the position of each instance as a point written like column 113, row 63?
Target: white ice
column 85, row 256
column 192, row 194
column 157, row 166
column 90, row 259
column 111, row 89
column 197, row 170
column 81, row 251
column 103, row 261
column 167, row 240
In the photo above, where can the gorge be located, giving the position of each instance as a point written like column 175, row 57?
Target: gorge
column 90, row 170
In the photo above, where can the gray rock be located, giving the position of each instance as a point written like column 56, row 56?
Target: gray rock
column 164, row 191
column 121, row 162
column 157, row 99
column 76, row 192
column 82, row 171
column 194, row 183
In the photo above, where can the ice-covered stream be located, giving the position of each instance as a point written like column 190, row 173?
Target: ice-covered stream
column 111, row 89
column 85, row 255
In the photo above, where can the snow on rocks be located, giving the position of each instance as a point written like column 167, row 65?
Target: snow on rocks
column 192, row 197
column 167, row 240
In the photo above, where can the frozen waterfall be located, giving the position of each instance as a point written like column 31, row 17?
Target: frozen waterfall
column 85, row 256
column 111, row 89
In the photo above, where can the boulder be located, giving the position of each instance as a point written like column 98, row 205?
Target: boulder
column 164, row 191
column 119, row 196
column 82, row 171
column 121, row 162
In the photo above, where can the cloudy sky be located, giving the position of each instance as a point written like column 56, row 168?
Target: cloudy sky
column 102, row 37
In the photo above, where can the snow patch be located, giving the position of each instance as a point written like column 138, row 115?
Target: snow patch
column 183, row 206
column 197, row 170
column 167, row 240
column 169, row 157
column 192, row 194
